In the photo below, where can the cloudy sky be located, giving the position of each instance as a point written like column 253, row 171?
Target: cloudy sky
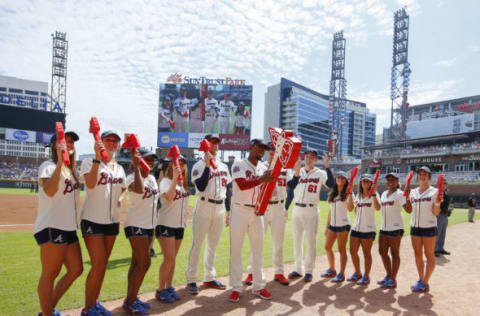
column 119, row 51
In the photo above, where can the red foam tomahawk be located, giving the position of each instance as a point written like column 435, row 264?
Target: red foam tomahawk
column 407, row 184
column 374, row 185
column 440, row 183
column 205, row 147
column 353, row 175
column 95, row 130
column 132, row 142
column 287, row 149
column 61, row 140
column 174, row 154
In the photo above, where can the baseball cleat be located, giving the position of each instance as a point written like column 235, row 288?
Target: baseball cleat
column 294, row 275
column 329, row 273
column 214, row 284
column 263, row 294
column 234, row 297
column 249, row 279
column 308, row 277
column 354, row 277
column 281, row 279
column 192, row 288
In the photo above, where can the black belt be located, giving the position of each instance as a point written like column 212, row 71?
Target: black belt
column 304, row 205
column 212, row 201
column 276, row 202
column 247, row 205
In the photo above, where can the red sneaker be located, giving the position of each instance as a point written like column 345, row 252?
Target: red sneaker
column 263, row 294
column 234, row 297
column 249, row 279
column 281, row 279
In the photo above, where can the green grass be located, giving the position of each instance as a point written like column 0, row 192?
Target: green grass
column 20, row 265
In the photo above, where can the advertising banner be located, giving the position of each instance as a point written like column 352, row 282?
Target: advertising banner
column 20, row 135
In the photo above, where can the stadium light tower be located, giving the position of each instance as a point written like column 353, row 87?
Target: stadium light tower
column 58, row 94
column 338, row 91
column 400, row 79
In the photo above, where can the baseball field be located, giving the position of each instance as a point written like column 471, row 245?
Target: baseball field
column 20, row 270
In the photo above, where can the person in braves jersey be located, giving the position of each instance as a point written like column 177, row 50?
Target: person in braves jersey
column 196, row 124
column 226, row 109
column 275, row 217
column 338, row 226
column 165, row 115
column 307, row 183
column 105, row 191
column 364, row 229
column 56, row 224
column 139, row 225
column 423, row 227
column 392, row 229
column 211, row 112
column 208, row 217
column 181, row 106
column 248, row 174
column 171, row 222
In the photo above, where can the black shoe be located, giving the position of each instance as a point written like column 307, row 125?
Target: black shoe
column 308, row 277
column 294, row 275
column 444, row 252
column 152, row 253
column 192, row 288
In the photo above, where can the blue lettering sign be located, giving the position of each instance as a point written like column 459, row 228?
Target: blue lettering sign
column 57, row 107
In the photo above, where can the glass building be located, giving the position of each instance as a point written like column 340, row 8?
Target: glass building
column 290, row 105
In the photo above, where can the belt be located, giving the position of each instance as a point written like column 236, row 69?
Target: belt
column 212, row 201
column 304, row 205
column 276, row 202
column 247, row 205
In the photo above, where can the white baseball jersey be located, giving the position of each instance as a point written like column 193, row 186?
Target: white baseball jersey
column 182, row 105
column 142, row 211
column 59, row 211
column 392, row 205
column 217, row 182
column 280, row 191
column 365, row 215
column 173, row 213
column 195, row 112
column 211, row 107
column 164, row 117
column 422, row 208
column 309, row 185
column 226, row 107
column 245, row 169
column 101, row 203
column 339, row 212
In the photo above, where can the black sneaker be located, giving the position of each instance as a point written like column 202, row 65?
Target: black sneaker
column 294, row 275
column 444, row 252
column 192, row 288
column 308, row 277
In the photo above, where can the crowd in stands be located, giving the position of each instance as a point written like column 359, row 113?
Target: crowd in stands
column 18, row 171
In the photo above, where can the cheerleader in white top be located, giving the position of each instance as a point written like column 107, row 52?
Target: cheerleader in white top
column 171, row 222
column 56, row 224
column 364, row 229
column 105, row 191
column 338, row 226
column 423, row 227
column 392, row 229
column 139, row 226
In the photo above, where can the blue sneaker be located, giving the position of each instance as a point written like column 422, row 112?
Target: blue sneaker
column 144, row 304
column 329, row 273
column 91, row 311
column 136, row 308
column 174, row 294
column 192, row 288
column 383, row 280
column 164, row 296
column 339, row 278
column 308, row 277
column 102, row 310
column 420, row 287
column 56, row 312
column 389, row 284
column 364, row 280
column 354, row 277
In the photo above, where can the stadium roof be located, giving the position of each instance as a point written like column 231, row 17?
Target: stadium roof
column 444, row 139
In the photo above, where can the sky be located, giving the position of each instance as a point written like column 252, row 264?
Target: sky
column 120, row 51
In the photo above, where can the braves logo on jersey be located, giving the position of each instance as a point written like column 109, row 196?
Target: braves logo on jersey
column 179, row 195
column 69, row 187
column 364, row 204
column 427, row 199
column 388, row 203
column 105, row 178
column 149, row 192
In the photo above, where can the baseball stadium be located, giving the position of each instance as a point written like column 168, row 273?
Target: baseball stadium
column 124, row 229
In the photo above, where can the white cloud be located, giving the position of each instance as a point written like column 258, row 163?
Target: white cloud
column 447, row 62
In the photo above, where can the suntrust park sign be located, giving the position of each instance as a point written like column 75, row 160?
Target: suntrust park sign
column 178, row 78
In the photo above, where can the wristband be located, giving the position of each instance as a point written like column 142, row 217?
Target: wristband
column 96, row 161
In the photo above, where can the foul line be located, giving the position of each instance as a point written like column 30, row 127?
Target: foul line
column 9, row 225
